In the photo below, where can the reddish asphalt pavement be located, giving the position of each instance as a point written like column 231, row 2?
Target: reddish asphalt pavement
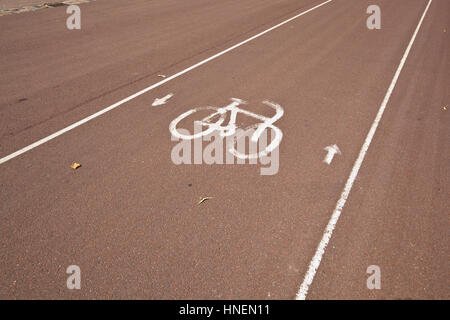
column 129, row 217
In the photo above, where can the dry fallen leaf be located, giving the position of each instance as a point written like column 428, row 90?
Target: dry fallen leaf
column 204, row 199
column 75, row 166
column 444, row 107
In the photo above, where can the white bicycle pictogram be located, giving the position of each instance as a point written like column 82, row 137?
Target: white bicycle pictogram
column 230, row 128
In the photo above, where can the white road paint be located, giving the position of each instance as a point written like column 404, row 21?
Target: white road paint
column 156, row 85
column 230, row 128
column 315, row 262
column 159, row 102
column 331, row 151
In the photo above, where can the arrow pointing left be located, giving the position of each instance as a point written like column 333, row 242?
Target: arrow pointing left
column 162, row 101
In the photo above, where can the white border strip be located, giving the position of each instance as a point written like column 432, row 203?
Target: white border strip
column 315, row 262
column 115, row 105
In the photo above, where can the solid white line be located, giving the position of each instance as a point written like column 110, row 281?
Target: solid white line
column 315, row 262
column 115, row 105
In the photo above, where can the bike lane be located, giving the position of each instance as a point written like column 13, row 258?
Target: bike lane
column 131, row 218
column 51, row 77
column 396, row 219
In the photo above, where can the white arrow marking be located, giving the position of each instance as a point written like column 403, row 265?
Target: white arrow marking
column 162, row 101
column 332, row 150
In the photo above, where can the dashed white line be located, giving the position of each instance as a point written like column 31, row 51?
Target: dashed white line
column 315, row 262
column 156, row 85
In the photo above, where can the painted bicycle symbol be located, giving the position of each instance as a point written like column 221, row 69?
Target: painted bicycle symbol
column 215, row 122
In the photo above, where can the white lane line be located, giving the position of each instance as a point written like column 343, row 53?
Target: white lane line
column 115, row 105
column 315, row 262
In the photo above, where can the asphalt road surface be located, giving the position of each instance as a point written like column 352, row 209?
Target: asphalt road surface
column 130, row 217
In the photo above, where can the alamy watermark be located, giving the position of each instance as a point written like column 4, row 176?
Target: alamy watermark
column 374, row 20
column 374, row 280
column 73, row 22
column 74, row 280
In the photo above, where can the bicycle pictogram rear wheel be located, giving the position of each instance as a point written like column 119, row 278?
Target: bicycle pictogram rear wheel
column 211, row 126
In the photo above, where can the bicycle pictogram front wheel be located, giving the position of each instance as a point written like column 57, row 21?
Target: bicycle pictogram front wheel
column 256, row 132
